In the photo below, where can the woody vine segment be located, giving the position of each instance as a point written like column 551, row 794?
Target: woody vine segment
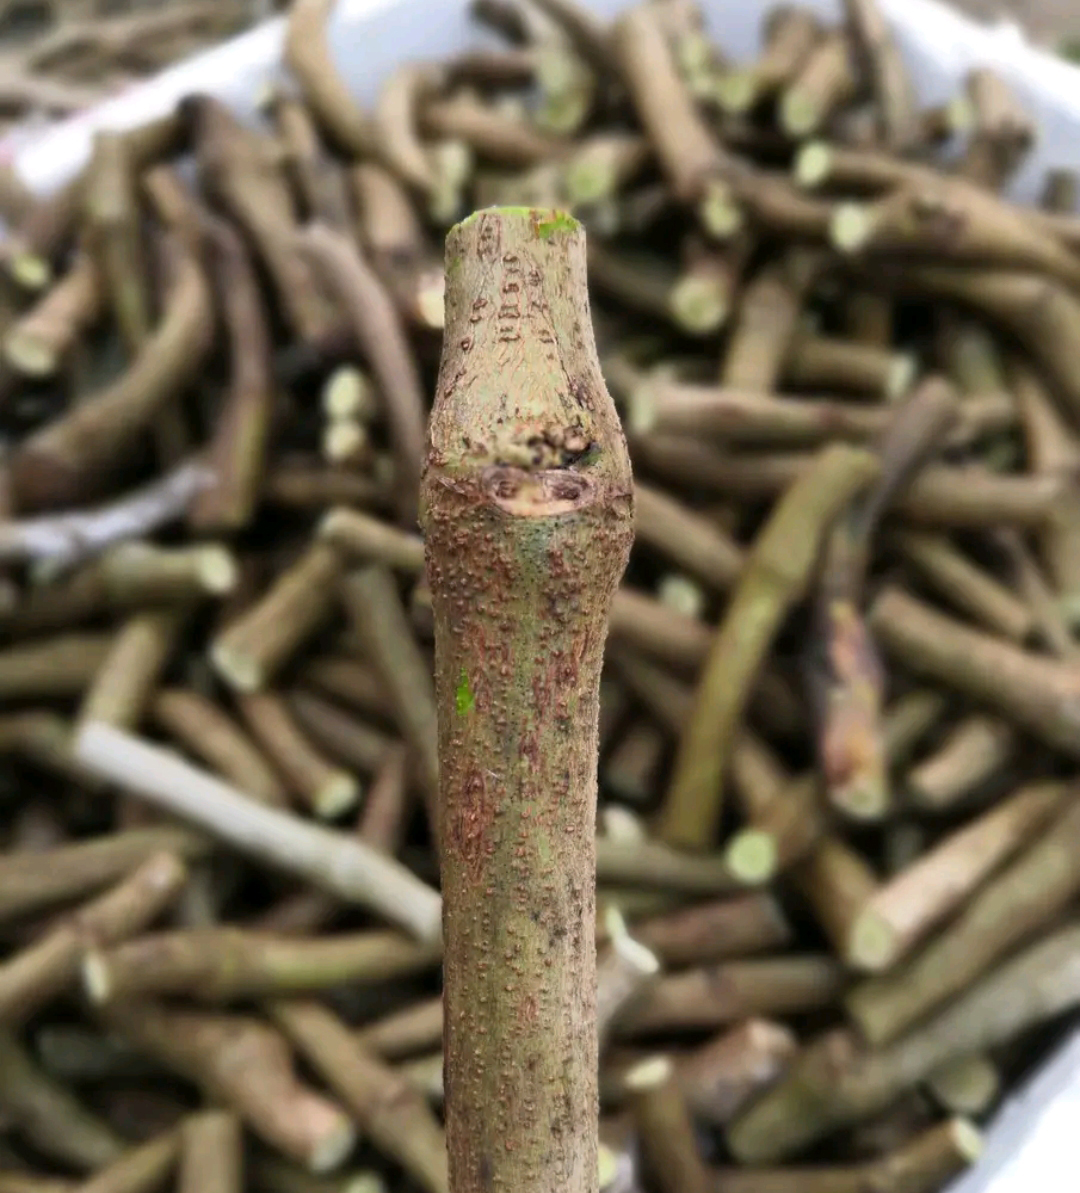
column 527, row 510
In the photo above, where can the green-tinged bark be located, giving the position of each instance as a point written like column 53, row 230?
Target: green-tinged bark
column 836, row 1082
column 527, row 508
column 211, row 1154
column 43, row 969
column 846, row 676
column 31, row 882
column 141, row 1169
column 43, row 1113
column 919, row 1166
column 246, row 1065
column 776, row 575
column 225, row 963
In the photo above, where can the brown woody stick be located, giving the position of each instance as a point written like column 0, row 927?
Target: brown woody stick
column 720, row 1077
column 775, row 575
column 1052, row 449
column 528, row 520
column 960, row 496
column 1036, row 692
column 375, row 610
column 203, row 728
column 341, row 733
column 692, row 159
column 225, row 963
column 967, row 586
column 342, row 866
column 139, row 1170
column 378, row 331
column 70, row 455
column 387, row 1110
column 846, row 677
column 977, row 749
column 319, row 181
column 891, row 85
column 40, row 340
column 249, row 652
column 404, row 1033
column 237, row 450
column 34, row 882
column 1023, row 896
column 239, row 170
column 825, row 81
column 246, row 1065
column 307, row 55
column 48, row 1116
column 211, row 1154
column 124, row 684
column 714, row 931
column 32, row 977
column 835, row 1082
column 920, row 1166
column 665, row 1132
column 790, row 34
column 712, row 996
column 767, row 321
column 904, row 910
column 949, row 218
column 327, row 789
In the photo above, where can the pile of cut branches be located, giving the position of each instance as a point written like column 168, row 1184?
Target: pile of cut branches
column 249, row 730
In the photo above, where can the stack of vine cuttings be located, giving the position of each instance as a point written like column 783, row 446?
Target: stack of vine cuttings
column 839, row 731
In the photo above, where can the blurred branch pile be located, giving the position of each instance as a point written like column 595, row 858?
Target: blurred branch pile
column 837, row 879
column 59, row 56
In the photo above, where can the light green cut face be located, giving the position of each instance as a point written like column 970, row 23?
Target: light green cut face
column 547, row 222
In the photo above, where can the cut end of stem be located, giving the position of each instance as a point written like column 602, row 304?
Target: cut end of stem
column 344, row 440
column 241, row 673
column 751, row 856
column 960, row 114
column 365, row 1182
column 607, row 1166
column 95, row 978
column 850, row 227
column 641, row 410
column 799, row 113
column 29, row 355
column 347, row 394
column 620, row 824
column 217, row 570
column 639, row 958
column 719, row 211
column 431, row 299
column 338, row 795
column 902, row 374
column 650, row 1074
column 30, row 271
column 588, row 181
column 968, row 1139
column 545, row 222
column 681, row 594
column 699, row 305
column 812, row 164
column 873, row 943
column 865, row 799
column 333, row 1149
column 736, row 91
column 966, row 1086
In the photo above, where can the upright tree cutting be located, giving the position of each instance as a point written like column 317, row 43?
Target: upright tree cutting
column 527, row 510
